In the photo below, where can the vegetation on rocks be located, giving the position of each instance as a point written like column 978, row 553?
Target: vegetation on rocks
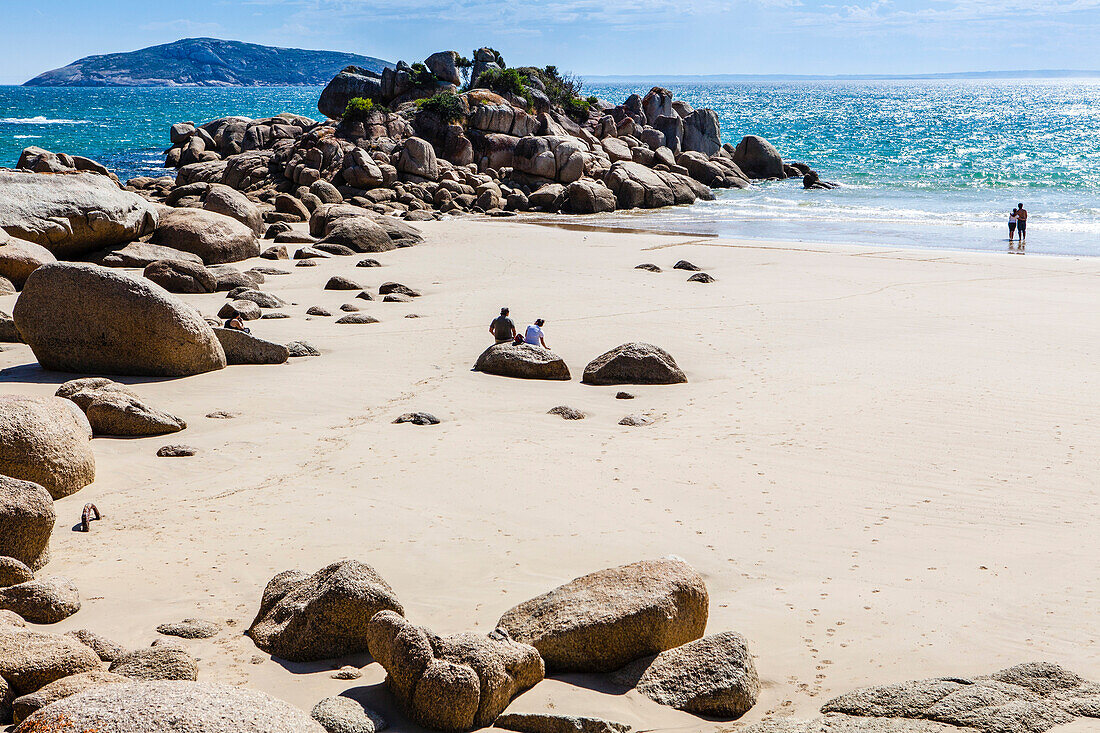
column 445, row 104
column 358, row 109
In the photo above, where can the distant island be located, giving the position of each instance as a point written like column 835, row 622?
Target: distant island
column 206, row 62
column 727, row 78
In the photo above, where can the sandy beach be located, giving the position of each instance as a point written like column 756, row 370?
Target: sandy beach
column 883, row 462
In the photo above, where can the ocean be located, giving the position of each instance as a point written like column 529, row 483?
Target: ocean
column 926, row 164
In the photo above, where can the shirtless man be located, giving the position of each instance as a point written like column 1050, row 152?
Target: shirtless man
column 1021, row 222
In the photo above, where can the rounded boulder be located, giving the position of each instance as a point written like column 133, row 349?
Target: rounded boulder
column 88, row 319
column 27, row 518
column 177, row 276
column 216, row 238
column 523, row 361
column 634, row 363
column 46, row 440
column 19, row 258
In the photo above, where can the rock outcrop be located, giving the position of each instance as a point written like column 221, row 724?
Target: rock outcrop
column 27, row 518
column 308, row 617
column 46, row 440
column 89, row 319
column 158, row 706
column 524, row 361
column 452, row 683
column 603, row 621
column 71, row 214
column 634, row 363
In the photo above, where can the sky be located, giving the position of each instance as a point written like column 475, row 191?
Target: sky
column 593, row 37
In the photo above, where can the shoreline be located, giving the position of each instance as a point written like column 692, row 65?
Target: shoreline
column 874, row 459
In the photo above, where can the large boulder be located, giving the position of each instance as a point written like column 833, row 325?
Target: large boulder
column 181, row 706
column 634, row 363
column 304, row 617
column 442, row 64
column 636, row 186
column 71, row 214
column 177, row 276
column 589, row 197
column 42, row 601
column 59, row 689
column 46, row 440
column 713, row 676
column 244, row 348
column 232, row 203
column 30, row 660
column 524, row 361
column 702, row 132
column 758, row 158
column 417, row 158
column 360, row 233
column 19, row 258
column 214, row 237
column 451, row 683
column 27, row 518
column 350, row 83
column 603, row 621
column 85, row 318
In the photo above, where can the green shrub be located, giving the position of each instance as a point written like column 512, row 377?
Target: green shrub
column 422, row 77
column 576, row 108
column 592, row 101
column 358, row 109
column 503, row 81
column 445, row 104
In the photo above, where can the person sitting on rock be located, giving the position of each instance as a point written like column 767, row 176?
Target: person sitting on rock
column 502, row 327
column 237, row 324
column 534, row 335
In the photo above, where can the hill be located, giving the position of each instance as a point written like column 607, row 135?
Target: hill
column 196, row 62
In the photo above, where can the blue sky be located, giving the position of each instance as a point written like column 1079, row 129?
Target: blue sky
column 589, row 36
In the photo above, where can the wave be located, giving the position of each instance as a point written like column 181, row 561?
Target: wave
column 24, row 137
column 39, row 120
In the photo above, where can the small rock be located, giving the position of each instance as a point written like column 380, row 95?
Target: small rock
column 685, row 265
column 222, row 415
column 333, row 248
column 360, row 318
column 397, row 289
column 636, row 421
column 338, row 282
column 257, row 659
column 368, row 262
column 176, row 451
column 417, row 418
column 413, row 315
column 347, row 672
column 648, row 266
column 246, row 309
column 567, row 413
column 311, row 253
column 701, row 277
column 190, row 628
column 316, row 310
column 274, row 271
column 302, row 348
column 275, row 252
column 349, row 308
column 396, row 298
column 546, row 723
column 305, row 263
column 623, row 396
column 345, row 715
column 274, row 316
column 365, row 296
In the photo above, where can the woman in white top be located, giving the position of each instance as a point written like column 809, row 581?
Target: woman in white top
column 1012, row 225
column 534, row 334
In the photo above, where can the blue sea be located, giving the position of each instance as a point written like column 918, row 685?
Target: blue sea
column 929, row 164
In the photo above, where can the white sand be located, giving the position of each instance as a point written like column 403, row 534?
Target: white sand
column 884, row 463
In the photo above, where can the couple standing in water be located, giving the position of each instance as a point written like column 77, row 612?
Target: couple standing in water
column 1017, row 222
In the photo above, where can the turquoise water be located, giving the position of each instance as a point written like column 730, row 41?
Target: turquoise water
column 924, row 164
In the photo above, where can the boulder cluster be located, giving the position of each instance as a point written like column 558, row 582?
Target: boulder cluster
column 644, row 621
column 632, row 363
column 413, row 142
